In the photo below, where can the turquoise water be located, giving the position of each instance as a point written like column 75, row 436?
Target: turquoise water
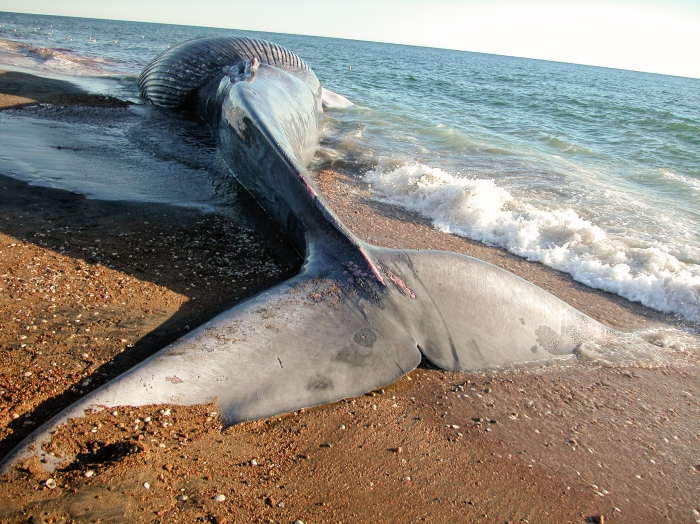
column 592, row 171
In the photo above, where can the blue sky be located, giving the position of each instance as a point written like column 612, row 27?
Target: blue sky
column 655, row 36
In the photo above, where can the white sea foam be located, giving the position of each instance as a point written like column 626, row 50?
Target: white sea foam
column 670, row 175
column 659, row 276
column 61, row 60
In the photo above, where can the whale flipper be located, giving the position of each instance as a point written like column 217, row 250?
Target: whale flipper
column 333, row 100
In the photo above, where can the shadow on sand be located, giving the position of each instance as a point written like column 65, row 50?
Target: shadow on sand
column 204, row 257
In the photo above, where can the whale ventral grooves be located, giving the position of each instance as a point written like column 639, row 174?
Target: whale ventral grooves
column 172, row 77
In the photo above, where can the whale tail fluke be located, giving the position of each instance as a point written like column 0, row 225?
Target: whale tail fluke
column 305, row 342
column 470, row 315
column 329, row 333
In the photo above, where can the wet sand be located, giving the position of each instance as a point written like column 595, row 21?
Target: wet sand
column 89, row 288
column 19, row 89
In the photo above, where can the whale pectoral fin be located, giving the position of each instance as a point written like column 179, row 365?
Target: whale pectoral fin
column 306, row 342
column 474, row 315
column 331, row 100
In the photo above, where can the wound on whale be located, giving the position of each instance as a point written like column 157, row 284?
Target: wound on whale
column 358, row 316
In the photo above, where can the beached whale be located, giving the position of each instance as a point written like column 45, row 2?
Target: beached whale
column 358, row 316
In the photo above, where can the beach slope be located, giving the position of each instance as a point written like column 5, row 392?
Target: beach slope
column 89, row 288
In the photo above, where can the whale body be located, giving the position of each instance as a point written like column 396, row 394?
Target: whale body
column 358, row 316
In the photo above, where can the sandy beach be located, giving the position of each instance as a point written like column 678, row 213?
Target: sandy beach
column 90, row 288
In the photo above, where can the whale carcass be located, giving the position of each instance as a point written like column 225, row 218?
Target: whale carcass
column 358, row 316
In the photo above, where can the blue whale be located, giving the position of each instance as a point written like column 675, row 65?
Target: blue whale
column 358, row 316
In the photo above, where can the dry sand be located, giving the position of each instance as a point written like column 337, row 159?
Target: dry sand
column 89, row 288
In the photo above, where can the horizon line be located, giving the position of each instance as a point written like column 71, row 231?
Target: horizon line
column 368, row 41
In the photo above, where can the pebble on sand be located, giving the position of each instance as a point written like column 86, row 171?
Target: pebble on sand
column 219, row 497
column 51, row 484
column 146, row 485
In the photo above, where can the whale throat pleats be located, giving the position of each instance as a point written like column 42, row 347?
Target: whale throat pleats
column 172, row 77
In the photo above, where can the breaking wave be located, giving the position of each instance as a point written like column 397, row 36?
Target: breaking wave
column 64, row 60
column 659, row 276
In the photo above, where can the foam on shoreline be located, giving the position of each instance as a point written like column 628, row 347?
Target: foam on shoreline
column 659, row 276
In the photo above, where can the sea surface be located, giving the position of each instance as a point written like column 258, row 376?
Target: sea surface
column 592, row 171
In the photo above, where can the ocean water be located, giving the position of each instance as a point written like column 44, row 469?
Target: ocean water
column 592, row 171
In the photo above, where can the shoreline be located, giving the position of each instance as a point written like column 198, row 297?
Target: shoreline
column 567, row 443
column 394, row 227
column 18, row 89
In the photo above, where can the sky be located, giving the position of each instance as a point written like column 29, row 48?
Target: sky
column 657, row 36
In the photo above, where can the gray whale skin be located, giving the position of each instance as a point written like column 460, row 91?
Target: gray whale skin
column 358, row 316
